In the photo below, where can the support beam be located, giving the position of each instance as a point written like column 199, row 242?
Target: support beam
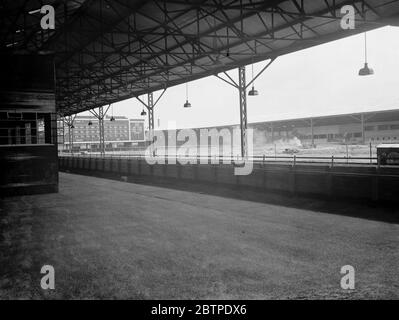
column 150, row 108
column 100, row 117
column 150, row 105
column 101, row 129
column 243, row 110
column 242, row 87
column 261, row 71
column 69, row 122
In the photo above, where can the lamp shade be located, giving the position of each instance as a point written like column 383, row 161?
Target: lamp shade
column 187, row 104
column 253, row 92
column 366, row 71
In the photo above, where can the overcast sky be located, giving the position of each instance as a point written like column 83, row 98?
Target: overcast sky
column 317, row 81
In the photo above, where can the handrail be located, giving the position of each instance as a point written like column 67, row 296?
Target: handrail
column 293, row 160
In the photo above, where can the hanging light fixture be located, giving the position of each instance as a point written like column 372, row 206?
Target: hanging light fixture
column 365, row 71
column 143, row 113
column 253, row 92
column 187, row 104
column 90, row 123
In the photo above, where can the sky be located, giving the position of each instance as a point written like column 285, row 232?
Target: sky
column 321, row 80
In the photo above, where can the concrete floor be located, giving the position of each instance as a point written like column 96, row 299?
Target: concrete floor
column 111, row 239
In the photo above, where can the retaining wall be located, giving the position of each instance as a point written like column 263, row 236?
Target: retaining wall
column 357, row 183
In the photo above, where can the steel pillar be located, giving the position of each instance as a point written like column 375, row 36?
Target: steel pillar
column 70, row 133
column 242, row 87
column 150, row 108
column 101, row 129
column 150, row 105
column 69, row 122
column 243, row 110
column 100, row 116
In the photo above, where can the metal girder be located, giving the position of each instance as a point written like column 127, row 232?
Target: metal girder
column 107, row 51
column 100, row 115
column 101, row 129
column 164, row 48
column 242, row 87
column 69, row 122
column 150, row 108
column 150, row 105
column 243, row 110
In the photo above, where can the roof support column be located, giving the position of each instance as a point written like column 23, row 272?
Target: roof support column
column 69, row 122
column 100, row 116
column 242, row 87
column 150, row 105
column 243, row 110
column 101, row 129
column 150, row 108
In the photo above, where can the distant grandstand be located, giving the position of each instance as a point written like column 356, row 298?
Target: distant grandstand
column 356, row 128
column 366, row 127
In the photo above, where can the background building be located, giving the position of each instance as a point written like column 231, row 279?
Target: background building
column 367, row 127
column 120, row 132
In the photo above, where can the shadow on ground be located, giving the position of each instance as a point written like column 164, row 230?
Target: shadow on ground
column 376, row 211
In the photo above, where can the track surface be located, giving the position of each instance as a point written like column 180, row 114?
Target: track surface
column 111, row 239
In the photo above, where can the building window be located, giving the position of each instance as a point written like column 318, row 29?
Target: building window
column 383, row 127
column 27, row 128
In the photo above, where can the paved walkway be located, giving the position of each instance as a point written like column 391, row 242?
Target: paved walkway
column 111, row 239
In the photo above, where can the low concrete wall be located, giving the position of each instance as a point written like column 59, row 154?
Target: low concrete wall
column 359, row 183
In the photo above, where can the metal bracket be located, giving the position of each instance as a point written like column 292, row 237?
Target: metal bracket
column 242, row 87
column 150, row 105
